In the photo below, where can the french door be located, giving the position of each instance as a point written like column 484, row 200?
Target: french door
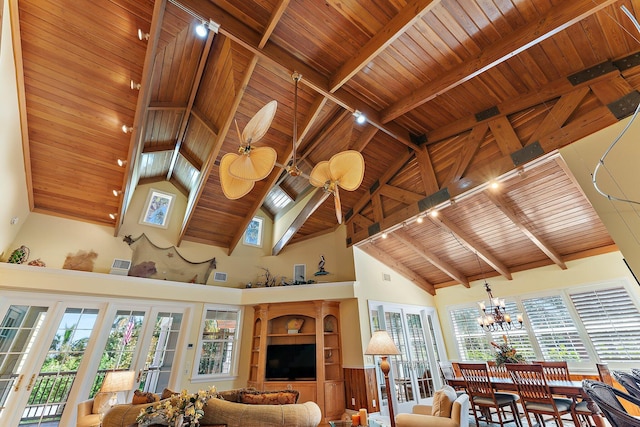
column 47, row 343
column 42, row 344
column 413, row 376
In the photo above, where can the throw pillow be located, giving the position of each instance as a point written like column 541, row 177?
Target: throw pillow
column 140, row 397
column 283, row 397
column 101, row 402
column 166, row 393
column 443, row 402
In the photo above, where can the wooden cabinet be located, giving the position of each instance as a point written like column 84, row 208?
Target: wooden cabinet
column 320, row 326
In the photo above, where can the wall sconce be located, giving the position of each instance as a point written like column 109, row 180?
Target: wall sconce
column 135, row 85
column 113, row 216
column 127, row 129
column 116, row 193
column 142, row 35
column 360, row 118
column 121, row 162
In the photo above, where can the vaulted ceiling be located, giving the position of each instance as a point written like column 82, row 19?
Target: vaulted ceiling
column 456, row 93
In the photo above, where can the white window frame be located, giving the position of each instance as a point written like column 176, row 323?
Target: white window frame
column 235, row 342
column 564, row 293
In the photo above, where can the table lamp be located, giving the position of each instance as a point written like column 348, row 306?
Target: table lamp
column 382, row 345
column 116, row 381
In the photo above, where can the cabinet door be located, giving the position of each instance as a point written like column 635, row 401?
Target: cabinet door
column 334, row 402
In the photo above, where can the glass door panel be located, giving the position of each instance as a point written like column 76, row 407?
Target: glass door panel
column 51, row 387
column 155, row 374
column 19, row 328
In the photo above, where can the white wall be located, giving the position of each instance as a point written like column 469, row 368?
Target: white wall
column 15, row 203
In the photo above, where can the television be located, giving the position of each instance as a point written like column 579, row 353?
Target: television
column 286, row 362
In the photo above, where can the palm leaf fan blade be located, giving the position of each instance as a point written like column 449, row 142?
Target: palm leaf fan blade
column 255, row 165
column 232, row 187
column 320, row 174
column 347, row 169
column 336, row 201
column 259, row 124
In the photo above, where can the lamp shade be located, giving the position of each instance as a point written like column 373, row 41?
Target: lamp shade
column 381, row 344
column 115, row 381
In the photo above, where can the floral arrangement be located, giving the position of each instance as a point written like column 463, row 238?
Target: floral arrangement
column 183, row 409
column 506, row 353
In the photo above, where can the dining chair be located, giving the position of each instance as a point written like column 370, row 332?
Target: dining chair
column 559, row 371
column 535, row 396
column 604, row 373
column 636, row 374
column 448, row 373
column 496, row 371
column 628, row 382
column 608, row 400
column 483, row 398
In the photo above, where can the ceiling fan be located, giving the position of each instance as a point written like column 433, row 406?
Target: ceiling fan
column 239, row 172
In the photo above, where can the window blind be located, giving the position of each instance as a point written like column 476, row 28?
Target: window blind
column 471, row 339
column 554, row 329
column 612, row 321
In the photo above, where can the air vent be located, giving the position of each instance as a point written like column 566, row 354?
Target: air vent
column 219, row 277
column 120, row 267
column 386, row 277
column 299, row 272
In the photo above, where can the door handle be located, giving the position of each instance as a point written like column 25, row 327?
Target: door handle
column 33, row 378
column 18, row 383
column 139, row 375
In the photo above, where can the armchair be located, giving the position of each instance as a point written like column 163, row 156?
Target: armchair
column 421, row 415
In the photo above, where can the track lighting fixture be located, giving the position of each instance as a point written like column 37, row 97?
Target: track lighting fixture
column 113, row 215
column 203, row 29
column 135, row 85
column 142, row 35
column 116, row 193
column 360, row 118
column 419, row 220
column 121, row 162
column 384, row 235
column 127, row 129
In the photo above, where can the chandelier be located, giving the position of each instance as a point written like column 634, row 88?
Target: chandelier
column 494, row 316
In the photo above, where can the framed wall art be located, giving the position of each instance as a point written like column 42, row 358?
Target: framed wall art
column 253, row 234
column 157, row 208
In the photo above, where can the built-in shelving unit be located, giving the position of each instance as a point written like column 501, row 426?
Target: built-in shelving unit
column 320, row 326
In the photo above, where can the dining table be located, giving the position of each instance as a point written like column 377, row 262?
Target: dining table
column 564, row 388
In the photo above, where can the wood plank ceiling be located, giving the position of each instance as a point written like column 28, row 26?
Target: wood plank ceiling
column 456, row 93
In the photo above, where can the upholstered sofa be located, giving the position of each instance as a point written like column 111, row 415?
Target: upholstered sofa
column 231, row 414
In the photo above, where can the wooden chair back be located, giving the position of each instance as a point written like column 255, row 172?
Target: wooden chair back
column 476, row 378
column 496, row 371
column 555, row 371
column 446, row 369
column 604, row 373
column 531, row 383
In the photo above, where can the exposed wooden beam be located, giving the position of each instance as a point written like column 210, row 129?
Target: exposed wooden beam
column 429, row 180
column 273, row 21
column 399, row 194
column 466, row 153
column 250, row 40
column 365, row 137
column 560, row 112
column 506, row 137
column 391, row 171
column 468, row 243
column 386, row 259
column 213, row 154
column 557, row 19
column 197, row 78
column 429, row 256
column 502, row 204
column 400, row 23
column 309, row 208
column 211, row 127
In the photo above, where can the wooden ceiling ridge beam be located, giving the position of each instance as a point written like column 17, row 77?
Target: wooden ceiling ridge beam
column 425, row 253
column 502, row 204
column 406, row 18
column 211, row 158
column 467, row 242
column 273, row 21
column 144, row 96
column 556, row 19
column 401, row 195
column 250, row 40
column 309, row 208
column 385, row 258
column 195, row 85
